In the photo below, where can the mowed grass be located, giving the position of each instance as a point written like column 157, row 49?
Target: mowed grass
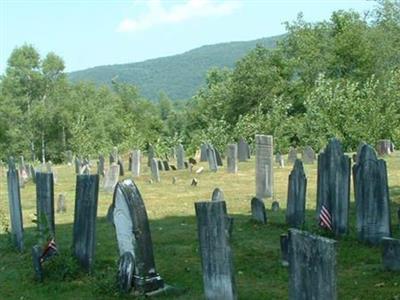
column 170, row 207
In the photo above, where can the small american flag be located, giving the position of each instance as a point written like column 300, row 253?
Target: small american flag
column 325, row 218
column 49, row 251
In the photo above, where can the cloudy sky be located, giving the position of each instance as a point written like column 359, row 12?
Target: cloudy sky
column 91, row 33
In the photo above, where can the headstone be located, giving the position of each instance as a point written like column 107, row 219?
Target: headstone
column 100, row 166
column 14, row 199
column 192, row 161
column 243, row 149
column 137, row 266
column 45, row 202
column 308, row 155
column 150, row 155
column 200, row 170
column 84, row 232
column 292, row 155
column 296, row 200
column 217, row 195
column 372, row 196
column 333, row 185
column 136, row 163
column 77, row 166
column 284, row 242
column 61, row 205
column 121, row 167
column 180, row 157
column 212, row 159
column 312, row 266
column 186, row 164
column 111, row 178
column 155, row 173
column 114, row 155
column 391, row 254
column 160, row 165
column 275, row 206
column 215, row 251
column 194, row 182
column 33, row 173
column 173, row 153
column 69, row 157
column 130, row 162
column 218, row 157
column 264, row 166
column 174, row 180
column 258, row 210
column 232, row 158
column 203, row 152
column 384, row 147
column 173, row 168
column 166, row 165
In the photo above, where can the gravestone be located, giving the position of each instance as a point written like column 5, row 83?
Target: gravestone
column 296, row 200
column 160, row 165
column 243, row 150
column 114, row 155
column 258, row 210
column 372, row 196
column 203, row 152
column 166, row 165
column 192, row 161
column 312, row 266
column 136, row 163
column 150, row 155
column 333, row 185
column 218, row 158
column 212, row 159
column 100, row 166
column 308, row 155
column 391, row 254
column 194, row 182
column 14, row 199
column 264, row 166
column 33, row 173
column 77, row 166
column 61, row 206
column 384, row 147
column 121, row 167
column 186, row 164
column 180, row 157
column 292, row 155
column 111, row 178
column 155, row 173
column 173, row 153
column 69, row 157
column 284, row 242
column 136, row 266
column 84, row 231
column 215, row 251
column 232, row 158
column 45, row 202
column 217, row 195
column 275, row 206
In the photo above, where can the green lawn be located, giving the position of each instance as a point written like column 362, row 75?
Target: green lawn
column 258, row 272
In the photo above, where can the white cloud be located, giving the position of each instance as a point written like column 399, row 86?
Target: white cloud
column 158, row 15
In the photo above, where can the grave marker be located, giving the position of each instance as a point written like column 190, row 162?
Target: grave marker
column 264, row 166
column 296, row 201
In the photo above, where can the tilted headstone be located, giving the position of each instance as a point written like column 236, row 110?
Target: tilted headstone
column 203, row 152
column 258, row 210
column 150, row 155
column 136, row 163
column 166, row 165
column 312, row 266
column 121, row 167
column 180, row 157
column 212, row 159
column 243, row 150
column 84, row 232
column 264, row 166
column 155, row 173
column 137, row 266
column 372, row 196
column 292, row 155
column 215, row 251
column 14, row 199
column 308, row 155
column 391, row 254
column 61, row 205
column 384, row 147
column 218, row 158
column 100, row 166
column 111, row 178
column 333, row 185
column 45, row 202
column 217, row 195
column 296, row 200
column 232, row 158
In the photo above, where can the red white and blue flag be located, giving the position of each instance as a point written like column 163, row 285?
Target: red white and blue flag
column 49, row 251
column 325, row 218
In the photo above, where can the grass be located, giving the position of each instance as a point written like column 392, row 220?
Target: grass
column 170, row 208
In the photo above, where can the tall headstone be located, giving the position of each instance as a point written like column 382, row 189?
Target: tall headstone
column 264, row 166
column 155, row 173
column 150, row 154
column 312, row 266
column 215, row 251
column 296, row 201
column 333, row 185
column 384, row 147
column 258, row 210
column 212, row 159
column 121, row 167
column 136, row 163
column 100, row 166
column 218, row 158
column 180, row 157
column 84, row 232
column 232, row 158
column 243, row 149
column 203, row 152
column 114, row 155
column 14, row 198
column 45, row 202
column 308, row 155
column 111, row 178
column 292, row 155
column 372, row 196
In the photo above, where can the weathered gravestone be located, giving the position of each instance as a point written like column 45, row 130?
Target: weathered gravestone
column 61, row 206
column 264, row 166
column 372, row 196
column 14, row 199
column 114, row 155
column 292, row 155
column 155, row 173
column 33, row 173
column 84, row 232
column 77, row 166
column 296, row 201
column 203, row 152
column 218, row 158
column 180, row 157
column 312, row 266
column 100, row 166
column 135, row 163
column 69, row 157
column 121, row 167
column 258, row 210
column 333, row 185
column 232, row 158
column 243, row 150
column 384, row 147
column 160, row 165
column 136, row 265
column 391, row 254
column 23, row 174
column 217, row 195
column 215, row 251
column 308, row 155
column 150, row 154
column 275, row 206
column 212, row 159
column 166, row 165
column 45, row 202
column 111, row 178
column 284, row 243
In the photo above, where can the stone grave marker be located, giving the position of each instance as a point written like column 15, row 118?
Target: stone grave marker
column 77, row 166
column 150, row 155
column 218, row 158
column 111, row 178
column 180, row 157
column 292, row 155
column 391, row 254
column 232, row 158
column 121, row 167
column 45, row 202
column 308, row 155
column 384, row 147
column 217, row 195
column 203, row 152
column 166, row 165
column 284, row 242
column 114, row 155
column 61, row 205
column 296, row 200
column 155, row 173
column 160, row 165
column 69, row 157
column 258, row 210
column 212, row 159
column 275, row 206
column 136, row 163
column 100, row 166
column 173, row 168
column 243, row 149
column 33, row 173
column 264, row 166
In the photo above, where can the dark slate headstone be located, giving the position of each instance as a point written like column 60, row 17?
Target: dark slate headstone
column 333, row 185
column 284, row 242
column 391, row 254
column 84, row 232
column 308, row 155
column 186, row 164
column 212, row 159
column 372, row 196
column 296, row 201
column 100, row 166
column 217, row 195
column 166, row 165
column 215, row 251
column 312, row 266
column 218, row 157
column 292, row 155
column 14, row 199
column 37, row 266
column 130, row 162
column 160, row 165
column 243, row 150
column 45, row 202
column 203, row 152
column 258, row 210
column 121, row 167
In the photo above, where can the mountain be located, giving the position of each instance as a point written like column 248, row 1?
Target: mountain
column 178, row 76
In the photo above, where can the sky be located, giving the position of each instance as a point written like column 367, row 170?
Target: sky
column 103, row 32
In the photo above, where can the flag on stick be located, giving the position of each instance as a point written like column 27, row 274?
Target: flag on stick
column 325, row 218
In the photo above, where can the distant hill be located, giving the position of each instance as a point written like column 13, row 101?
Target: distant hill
column 179, row 76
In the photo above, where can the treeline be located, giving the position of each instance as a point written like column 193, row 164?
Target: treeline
column 339, row 77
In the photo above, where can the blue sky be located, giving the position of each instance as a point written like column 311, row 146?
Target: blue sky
column 91, row 33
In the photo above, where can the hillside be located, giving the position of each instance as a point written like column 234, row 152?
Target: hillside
column 179, row 76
